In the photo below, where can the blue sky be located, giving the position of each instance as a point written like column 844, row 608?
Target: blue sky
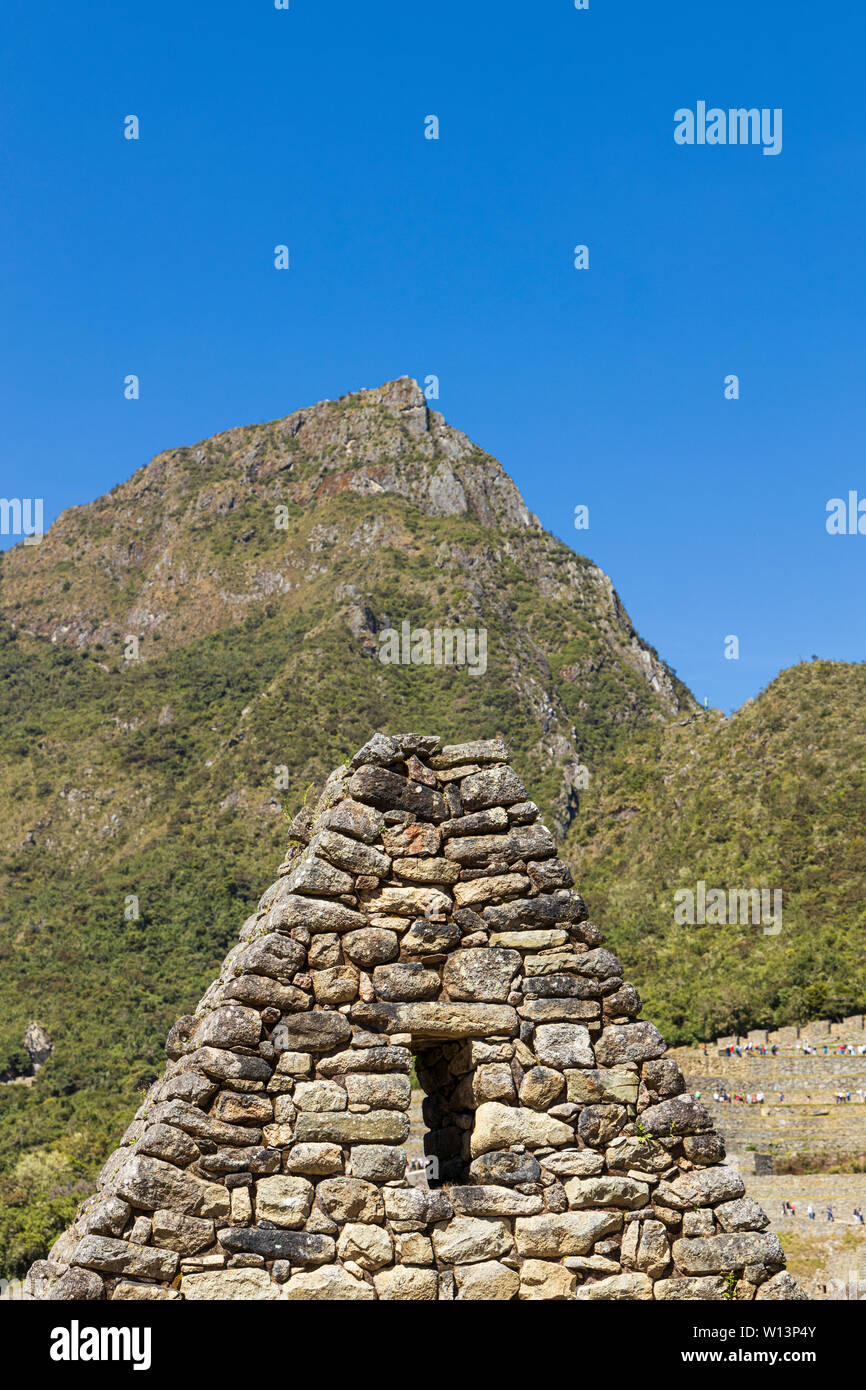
column 455, row 258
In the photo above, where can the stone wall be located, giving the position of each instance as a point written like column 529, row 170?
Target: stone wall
column 819, row 1032
column 421, row 913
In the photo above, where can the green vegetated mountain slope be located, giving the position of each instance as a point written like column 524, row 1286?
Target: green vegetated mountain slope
column 773, row 798
column 144, row 801
column 257, row 570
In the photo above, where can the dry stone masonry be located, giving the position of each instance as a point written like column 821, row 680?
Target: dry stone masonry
column 421, row 913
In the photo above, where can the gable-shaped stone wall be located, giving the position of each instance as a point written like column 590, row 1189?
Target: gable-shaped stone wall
column 421, row 911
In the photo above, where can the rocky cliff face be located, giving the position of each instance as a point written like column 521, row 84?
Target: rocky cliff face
column 193, row 541
column 321, row 517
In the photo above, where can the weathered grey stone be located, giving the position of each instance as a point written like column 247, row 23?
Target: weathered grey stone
column 262, row 992
column 597, row 1085
column 371, row 1247
column 574, row 1163
column 372, row 946
column 563, row 1045
column 223, row 1065
column 255, row 1159
column 293, row 1064
column 376, row 1127
column 315, row 1160
column 599, row 1124
column 330, row 1283
column 466, row 1239
column 351, row 1199
column 319, row 1095
column 555, row 1234
column 482, row 974
column 645, row 1248
column 675, row 1117
column 324, row 951
column 377, row 1162
column 549, row 875
column 493, row 786
column 663, row 1077
column 560, row 1010
column 229, row 1026
column 419, row 869
column 743, row 1214
column 336, row 985
column 505, row 1166
column 75, row 1284
column 632, row 1152
column 489, row 750
column 488, row 1281
column 412, row 838
column 410, row 981
column 194, row 1121
column 107, row 1217
column 439, row 1019
column 544, row 1279
column 148, row 1184
column 704, row 1148
column 628, row 1042
column 782, row 1287
column 708, row 1288
column 378, row 1059
column 493, row 1201
column 186, row 1235
column 353, row 818
column 236, row 1284
column 415, row 1207
column 349, row 854
column 413, row 1248
column 319, row 1031
column 180, row 1035
column 389, row 791
column 315, row 914
column 606, row 1192
column 401, row 900
column 298, row 1246
column 235, row 1108
column 623, row 1003
column 163, row 1141
column 540, row 1087
column 284, row 1200
column 187, row 1085
column 719, row 1254
column 545, row 910
column 501, row 1126
column 703, row 1187
column 479, row 823
column 129, row 1290
column 520, row 842
column 273, row 955
column 619, row 1287
column 389, row 1091
column 430, row 938
column 318, row 877
column 406, row 1285
column 527, row 940
column 489, row 890
column 109, row 1256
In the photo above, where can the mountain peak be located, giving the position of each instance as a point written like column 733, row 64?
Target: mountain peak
column 403, row 393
